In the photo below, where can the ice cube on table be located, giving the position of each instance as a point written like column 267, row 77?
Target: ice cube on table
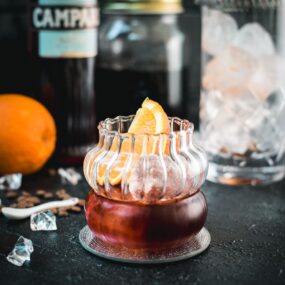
column 21, row 252
column 11, row 181
column 69, row 175
column 219, row 29
column 229, row 72
column 43, row 221
column 254, row 39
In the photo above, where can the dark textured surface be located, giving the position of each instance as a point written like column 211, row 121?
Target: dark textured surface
column 248, row 244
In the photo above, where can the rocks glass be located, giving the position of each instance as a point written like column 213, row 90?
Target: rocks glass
column 242, row 109
column 145, row 188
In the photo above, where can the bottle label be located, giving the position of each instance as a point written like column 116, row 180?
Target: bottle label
column 66, row 28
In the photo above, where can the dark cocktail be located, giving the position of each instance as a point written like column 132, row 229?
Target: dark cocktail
column 145, row 183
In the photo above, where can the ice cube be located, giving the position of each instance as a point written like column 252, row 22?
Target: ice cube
column 244, row 106
column 11, row 181
column 275, row 67
column 269, row 76
column 43, row 221
column 155, row 178
column 219, row 29
column 229, row 72
column 229, row 130
column 276, row 101
column 266, row 125
column 21, row 252
column 69, row 175
column 254, row 39
column 275, row 105
column 261, row 84
column 211, row 103
column 228, row 134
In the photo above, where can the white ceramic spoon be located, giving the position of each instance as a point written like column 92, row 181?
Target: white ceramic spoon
column 18, row 214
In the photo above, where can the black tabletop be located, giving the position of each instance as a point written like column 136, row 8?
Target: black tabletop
column 247, row 226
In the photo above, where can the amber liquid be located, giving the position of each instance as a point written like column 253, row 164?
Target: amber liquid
column 137, row 226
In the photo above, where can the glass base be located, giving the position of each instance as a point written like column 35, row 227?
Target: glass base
column 234, row 175
column 194, row 246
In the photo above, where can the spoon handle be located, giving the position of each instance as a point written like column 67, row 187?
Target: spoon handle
column 54, row 204
column 18, row 214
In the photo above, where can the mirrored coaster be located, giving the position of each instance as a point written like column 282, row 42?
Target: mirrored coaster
column 192, row 247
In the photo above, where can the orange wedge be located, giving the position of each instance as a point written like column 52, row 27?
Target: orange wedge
column 150, row 119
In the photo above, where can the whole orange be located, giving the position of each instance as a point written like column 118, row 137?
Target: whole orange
column 27, row 134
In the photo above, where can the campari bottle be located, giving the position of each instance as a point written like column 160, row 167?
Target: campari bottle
column 63, row 48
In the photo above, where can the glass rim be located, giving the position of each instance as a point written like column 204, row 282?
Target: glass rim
column 185, row 126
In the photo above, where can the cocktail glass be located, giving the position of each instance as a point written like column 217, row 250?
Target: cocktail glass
column 145, row 188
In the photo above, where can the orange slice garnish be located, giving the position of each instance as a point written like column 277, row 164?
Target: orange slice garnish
column 150, row 119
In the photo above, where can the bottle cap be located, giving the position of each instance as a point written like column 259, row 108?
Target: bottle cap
column 144, row 6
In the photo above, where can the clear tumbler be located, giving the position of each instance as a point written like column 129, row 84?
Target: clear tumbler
column 242, row 108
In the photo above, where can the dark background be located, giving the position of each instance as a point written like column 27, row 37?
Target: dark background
column 15, row 68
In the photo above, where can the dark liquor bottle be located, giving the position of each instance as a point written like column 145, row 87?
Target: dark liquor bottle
column 63, row 46
column 13, row 47
column 142, row 53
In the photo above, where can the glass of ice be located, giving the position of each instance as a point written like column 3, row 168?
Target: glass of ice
column 242, row 108
column 145, row 188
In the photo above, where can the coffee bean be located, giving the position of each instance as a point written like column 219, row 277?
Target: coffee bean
column 75, row 209
column 54, row 210
column 62, row 213
column 65, row 197
column 21, row 198
column 61, row 194
column 52, row 171
column 33, row 199
column 40, row 193
column 26, row 194
column 11, row 194
column 81, row 202
column 25, row 204
column 48, row 195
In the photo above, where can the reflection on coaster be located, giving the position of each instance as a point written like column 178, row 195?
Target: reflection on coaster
column 192, row 247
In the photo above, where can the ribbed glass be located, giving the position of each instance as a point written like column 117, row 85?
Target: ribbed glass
column 145, row 168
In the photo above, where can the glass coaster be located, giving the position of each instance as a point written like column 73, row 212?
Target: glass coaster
column 192, row 247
